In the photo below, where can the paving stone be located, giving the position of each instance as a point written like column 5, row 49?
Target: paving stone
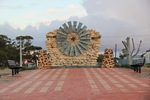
column 77, row 84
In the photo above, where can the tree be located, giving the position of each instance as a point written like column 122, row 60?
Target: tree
column 36, row 53
column 100, row 57
column 7, row 50
column 123, row 54
column 32, row 52
column 4, row 40
column 26, row 41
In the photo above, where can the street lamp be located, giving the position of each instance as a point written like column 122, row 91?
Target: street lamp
column 20, row 53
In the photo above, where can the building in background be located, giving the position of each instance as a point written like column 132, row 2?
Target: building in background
column 147, row 57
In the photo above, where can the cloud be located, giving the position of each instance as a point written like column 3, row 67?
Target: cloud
column 64, row 13
column 39, row 34
column 115, row 20
column 119, row 18
column 10, row 6
column 131, row 11
column 31, row 15
column 53, row 10
column 72, row 6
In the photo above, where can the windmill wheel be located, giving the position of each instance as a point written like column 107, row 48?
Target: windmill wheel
column 73, row 39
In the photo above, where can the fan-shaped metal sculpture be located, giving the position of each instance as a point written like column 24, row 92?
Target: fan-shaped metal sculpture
column 73, row 39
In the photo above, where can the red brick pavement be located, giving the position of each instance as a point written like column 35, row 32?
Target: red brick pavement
column 77, row 84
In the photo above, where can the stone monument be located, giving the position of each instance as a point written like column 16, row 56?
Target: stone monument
column 73, row 45
column 108, row 61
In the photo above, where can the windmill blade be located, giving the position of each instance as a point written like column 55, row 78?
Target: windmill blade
column 77, row 52
column 59, row 35
column 67, row 50
column 72, row 53
column 83, row 46
column 80, row 49
column 84, row 33
column 63, row 48
column 66, row 28
column 60, row 39
column 86, row 38
column 82, row 30
column 85, row 42
column 74, row 26
column 70, row 26
column 59, row 44
column 64, row 43
column 63, row 31
column 79, row 27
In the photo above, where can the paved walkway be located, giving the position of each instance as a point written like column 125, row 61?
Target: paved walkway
column 77, row 84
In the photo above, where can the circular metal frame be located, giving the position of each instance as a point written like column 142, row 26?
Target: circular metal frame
column 73, row 39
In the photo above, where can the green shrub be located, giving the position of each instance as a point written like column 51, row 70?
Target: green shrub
column 147, row 65
column 123, row 66
column 2, row 67
column 28, row 68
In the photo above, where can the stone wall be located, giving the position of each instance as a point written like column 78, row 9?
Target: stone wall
column 43, row 60
column 108, row 61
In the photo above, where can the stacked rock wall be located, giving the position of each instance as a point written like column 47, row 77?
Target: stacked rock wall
column 108, row 61
column 88, row 58
column 43, row 60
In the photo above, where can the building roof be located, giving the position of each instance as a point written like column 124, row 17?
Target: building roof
column 148, row 51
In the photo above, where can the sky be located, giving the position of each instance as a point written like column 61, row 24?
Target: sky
column 114, row 19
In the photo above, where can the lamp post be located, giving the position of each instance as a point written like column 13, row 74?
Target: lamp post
column 115, row 53
column 20, row 53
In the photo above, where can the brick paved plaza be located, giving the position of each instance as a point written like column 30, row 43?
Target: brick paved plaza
column 77, row 84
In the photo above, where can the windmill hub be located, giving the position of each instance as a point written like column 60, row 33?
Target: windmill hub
column 73, row 38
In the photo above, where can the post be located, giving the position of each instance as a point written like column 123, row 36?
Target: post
column 20, row 53
column 129, row 58
column 115, row 53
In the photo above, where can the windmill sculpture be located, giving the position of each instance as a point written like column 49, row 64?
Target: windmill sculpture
column 73, row 40
column 73, row 44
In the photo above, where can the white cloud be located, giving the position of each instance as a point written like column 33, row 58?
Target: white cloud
column 53, row 10
column 63, row 13
column 10, row 6
column 131, row 11
column 31, row 15
column 72, row 6
column 119, row 18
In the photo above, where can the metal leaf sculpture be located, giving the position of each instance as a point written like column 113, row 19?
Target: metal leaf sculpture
column 73, row 40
